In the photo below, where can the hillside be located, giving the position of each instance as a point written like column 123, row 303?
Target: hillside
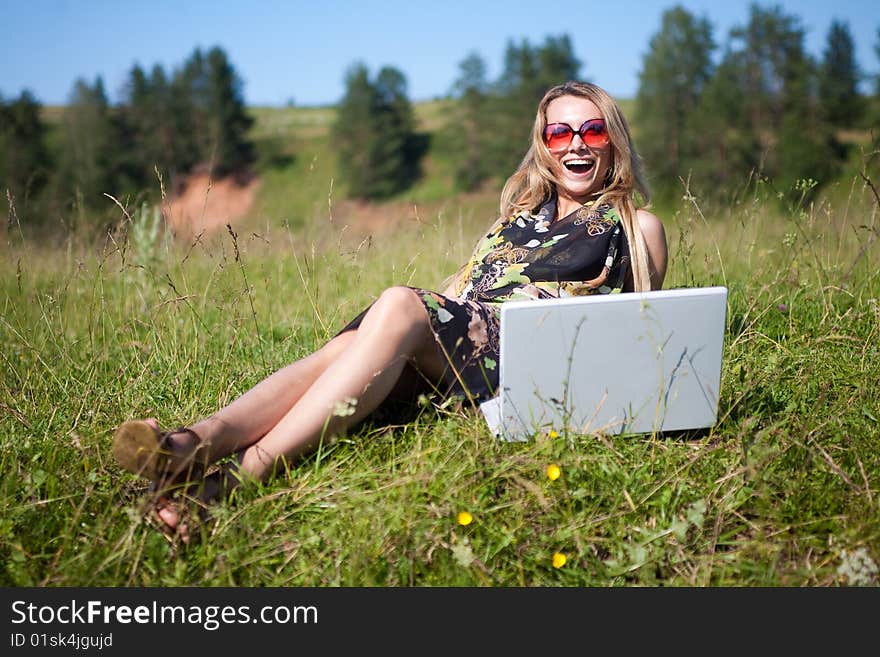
column 297, row 162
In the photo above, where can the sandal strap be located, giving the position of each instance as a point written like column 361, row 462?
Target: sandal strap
column 165, row 438
column 195, row 463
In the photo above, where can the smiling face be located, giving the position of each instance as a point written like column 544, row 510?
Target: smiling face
column 581, row 169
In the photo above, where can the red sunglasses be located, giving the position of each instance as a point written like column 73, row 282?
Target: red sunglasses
column 558, row 136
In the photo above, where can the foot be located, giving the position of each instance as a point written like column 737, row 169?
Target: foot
column 168, row 457
column 183, row 511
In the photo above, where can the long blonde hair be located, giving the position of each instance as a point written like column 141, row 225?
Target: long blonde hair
column 535, row 178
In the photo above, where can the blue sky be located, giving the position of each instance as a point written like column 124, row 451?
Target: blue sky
column 300, row 50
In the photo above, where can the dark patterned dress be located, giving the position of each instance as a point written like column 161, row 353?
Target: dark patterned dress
column 529, row 256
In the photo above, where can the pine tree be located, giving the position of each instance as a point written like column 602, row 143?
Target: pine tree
column 725, row 148
column 192, row 111
column 379, row 149
column 874, row 117
column 763, row 115
column 353, row 138
column 187, row 124
column 877, row 52
column 465, row 134
column 556, row 64
column 24, row 158
column 842, row 104
column 808, row 150
column 140, row 115
column 228, row 118
column 90, row 165
column 675, row 71
column 168, row 142
column 207, row 122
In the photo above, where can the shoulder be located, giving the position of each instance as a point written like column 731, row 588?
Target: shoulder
column 651, row 226
column 655, row 243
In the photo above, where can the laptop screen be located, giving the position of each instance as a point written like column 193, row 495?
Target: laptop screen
column 623, row 363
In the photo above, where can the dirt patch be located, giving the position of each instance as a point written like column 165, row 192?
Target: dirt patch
column 367, row 218
column 205, row 205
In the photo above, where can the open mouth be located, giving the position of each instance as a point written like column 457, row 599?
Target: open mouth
column 580, row 166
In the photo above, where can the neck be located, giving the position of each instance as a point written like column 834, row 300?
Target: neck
column 565, row 205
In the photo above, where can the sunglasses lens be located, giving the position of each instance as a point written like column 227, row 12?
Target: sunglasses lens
column 558, row 136
column 593, row 133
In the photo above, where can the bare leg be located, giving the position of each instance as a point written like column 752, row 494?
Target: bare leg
column 254, row 413
column 246, row 419
column 394, row 332
column 364, row 367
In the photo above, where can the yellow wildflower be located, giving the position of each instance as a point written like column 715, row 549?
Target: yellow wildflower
column 465, row 518
column 553, row 472
column 559, row 560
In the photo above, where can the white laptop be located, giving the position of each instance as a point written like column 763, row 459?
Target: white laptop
column 630, row 363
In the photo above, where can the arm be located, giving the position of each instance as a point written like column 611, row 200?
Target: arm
column 655, row 241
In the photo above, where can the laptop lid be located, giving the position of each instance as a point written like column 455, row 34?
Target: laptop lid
column 622, row 363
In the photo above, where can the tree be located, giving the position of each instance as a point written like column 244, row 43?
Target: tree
column 209, row 119
column 842, row 104
column 495, row 120
column 141, row 116
column 189, row 88
column 24, row 159
column 675, row 72
column 877, row 52
column 228, row 118
column 379, row 149
column 170, row 142
column 89, row 168
column 875, row 109
column 763, row 112
column 556, row 64
column 465, row 134
column 725, row 148
column 808, row 149
column 355, row 121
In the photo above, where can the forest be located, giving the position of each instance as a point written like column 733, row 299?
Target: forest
column 710, row 118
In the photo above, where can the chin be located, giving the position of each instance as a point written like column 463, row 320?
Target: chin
column 582, row 192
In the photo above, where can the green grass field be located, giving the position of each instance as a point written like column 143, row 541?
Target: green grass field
column 784, row 491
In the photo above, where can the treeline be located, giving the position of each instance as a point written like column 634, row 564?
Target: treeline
column 766, row 110
column 166, row 127
column 380, row 150
column 707, row 116
column 763, row 110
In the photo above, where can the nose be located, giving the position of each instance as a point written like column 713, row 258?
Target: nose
column 572, row 146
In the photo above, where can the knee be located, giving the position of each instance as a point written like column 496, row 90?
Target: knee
column 400, row 307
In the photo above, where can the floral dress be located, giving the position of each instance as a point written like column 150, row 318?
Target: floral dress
column 528, row 256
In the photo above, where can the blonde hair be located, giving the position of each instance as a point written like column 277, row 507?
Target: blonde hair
column 535, row 178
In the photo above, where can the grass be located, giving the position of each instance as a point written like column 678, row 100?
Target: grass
column 784, row 491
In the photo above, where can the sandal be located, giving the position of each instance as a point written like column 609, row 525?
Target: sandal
column 142, row 449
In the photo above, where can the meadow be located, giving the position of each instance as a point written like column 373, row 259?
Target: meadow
column 783, row 491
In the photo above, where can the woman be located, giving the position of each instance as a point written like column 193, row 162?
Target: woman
column 569, row 225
